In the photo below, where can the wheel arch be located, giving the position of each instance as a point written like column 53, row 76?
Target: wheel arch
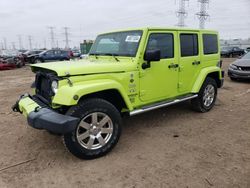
column 212, row 72
column 111, row 95
column 109, row 90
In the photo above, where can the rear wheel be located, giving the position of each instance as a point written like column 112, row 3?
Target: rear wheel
column 206, row 96
column 98, row 131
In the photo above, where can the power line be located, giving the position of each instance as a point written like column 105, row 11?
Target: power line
column 181, row 13
column 66, row 33
column 203, row 15
column 52, row 36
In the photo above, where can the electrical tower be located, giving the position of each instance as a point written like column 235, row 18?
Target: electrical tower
column 181, row 13
column 203, row 15
column 66, row 33
column 20, row 42
column 5, row 43
column 30, row 42
column 52, row 36
column 13, row 46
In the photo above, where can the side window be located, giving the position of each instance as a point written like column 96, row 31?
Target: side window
column 210, row 44
column 162, row 41
column 50, row 52
column 189, row 45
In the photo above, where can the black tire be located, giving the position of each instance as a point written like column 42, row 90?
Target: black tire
column 198, row 104
column 233, row 79
column 83, row 110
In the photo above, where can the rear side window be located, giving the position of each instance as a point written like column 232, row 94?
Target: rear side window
column 189, row 45
column 210, row 44
column 164, row 42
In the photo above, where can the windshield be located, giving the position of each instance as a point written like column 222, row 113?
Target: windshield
column 117, row 44
column 246, row 56
column 226, row 48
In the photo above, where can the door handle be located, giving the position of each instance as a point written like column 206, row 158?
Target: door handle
column 196, row 63
column 173, row 66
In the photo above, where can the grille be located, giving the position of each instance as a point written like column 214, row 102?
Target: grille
column 244, row 68
column 43, row 86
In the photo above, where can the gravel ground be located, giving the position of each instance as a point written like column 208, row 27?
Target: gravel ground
column 169, row 147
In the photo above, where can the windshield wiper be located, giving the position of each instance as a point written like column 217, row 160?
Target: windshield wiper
column 113, row 55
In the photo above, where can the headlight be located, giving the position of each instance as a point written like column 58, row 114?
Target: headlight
column 54, row 86
column 233, row 67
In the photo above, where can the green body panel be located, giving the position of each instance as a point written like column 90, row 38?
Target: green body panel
column 27, row 105
column 66, row 94
column 202, row 76
column 137, row 86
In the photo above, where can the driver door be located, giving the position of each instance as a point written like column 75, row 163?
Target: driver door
column 159, row 81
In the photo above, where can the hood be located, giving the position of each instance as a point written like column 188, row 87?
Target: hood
column 242, row 62
column 66, row 68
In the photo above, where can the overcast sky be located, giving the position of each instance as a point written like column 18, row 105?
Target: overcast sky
column 87, row 18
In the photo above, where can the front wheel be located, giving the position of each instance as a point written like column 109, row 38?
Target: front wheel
column 98, row 131
column 206, row 96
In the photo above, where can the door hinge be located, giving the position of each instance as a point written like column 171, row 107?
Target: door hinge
column 179, row 85
column 180, row 68
column 142, row 93
column 141, row 74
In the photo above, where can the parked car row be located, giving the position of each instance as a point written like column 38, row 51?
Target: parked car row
column 10, row 59
column 232, row 52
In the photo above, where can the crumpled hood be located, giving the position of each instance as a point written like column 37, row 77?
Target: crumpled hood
column 242, row 62
column 66, row 68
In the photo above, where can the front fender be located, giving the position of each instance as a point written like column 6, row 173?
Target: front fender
column 65, row 94
column 202, row 76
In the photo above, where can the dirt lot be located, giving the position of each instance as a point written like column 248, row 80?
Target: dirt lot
column 170, row 147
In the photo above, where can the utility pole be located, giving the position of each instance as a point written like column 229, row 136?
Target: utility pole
column 181, row 13
column 1, row 46
column 30, row 41
column 13, row 45
column 203, row 15
column 52, row 36
column 66, row 33
column 45, row 44
column 5, row 43
column 20, row 42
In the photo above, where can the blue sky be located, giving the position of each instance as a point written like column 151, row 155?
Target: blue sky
column 87, row 18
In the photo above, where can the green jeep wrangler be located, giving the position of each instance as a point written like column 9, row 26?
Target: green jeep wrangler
column 126, row 73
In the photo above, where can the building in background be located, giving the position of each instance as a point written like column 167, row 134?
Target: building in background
column 241, row 43
column 85, row 46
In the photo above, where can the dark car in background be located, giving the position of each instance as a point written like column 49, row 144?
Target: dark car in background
column 232, row 52
column 240, row 69
column 53, row 55
column 76, row 53
column 30, row 56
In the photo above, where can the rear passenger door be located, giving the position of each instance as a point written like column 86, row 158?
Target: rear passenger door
column 190, row 62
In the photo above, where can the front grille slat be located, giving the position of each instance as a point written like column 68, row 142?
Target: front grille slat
column 244, row 68
column 43, row 86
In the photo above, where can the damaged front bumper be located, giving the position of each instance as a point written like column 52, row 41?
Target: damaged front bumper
column 44, row 118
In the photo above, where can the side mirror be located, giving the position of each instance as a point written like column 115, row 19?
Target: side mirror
column 151, row 55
